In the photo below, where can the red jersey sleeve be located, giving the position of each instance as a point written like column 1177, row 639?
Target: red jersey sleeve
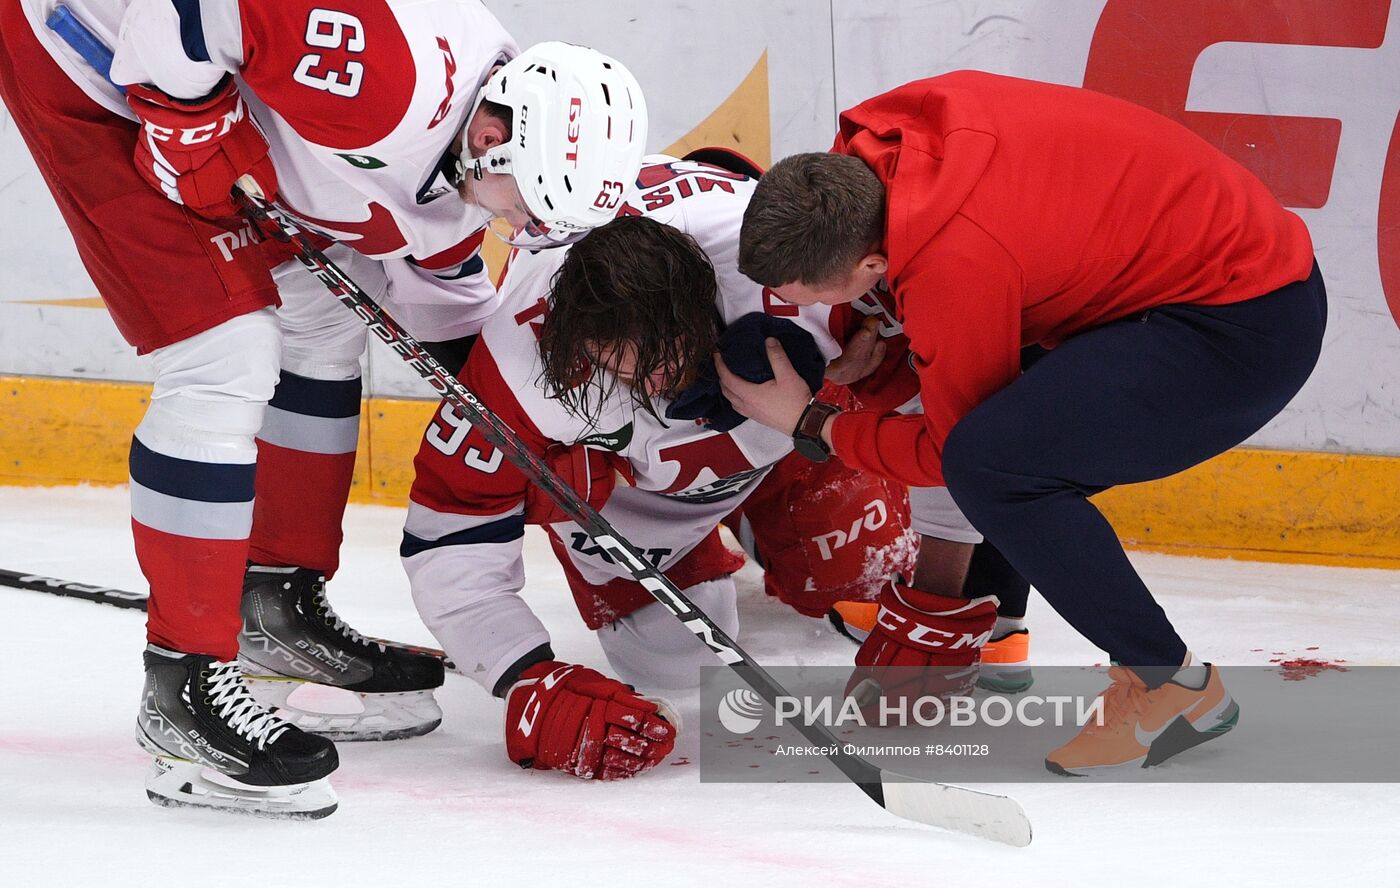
column 464, row 533
column 962, row 316
column 456, row 470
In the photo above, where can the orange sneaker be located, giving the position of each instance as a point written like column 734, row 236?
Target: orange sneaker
column 1006, row 663
column 1142, row 727
column 853, row 619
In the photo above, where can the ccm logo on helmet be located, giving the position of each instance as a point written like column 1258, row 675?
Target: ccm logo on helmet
column 575, row 112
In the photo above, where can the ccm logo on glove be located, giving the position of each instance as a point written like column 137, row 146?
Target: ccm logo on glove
column 201, row 133
column 194, row 151
column 922, row 645
column 532, row 706
column 929, row 637
column 562, row 717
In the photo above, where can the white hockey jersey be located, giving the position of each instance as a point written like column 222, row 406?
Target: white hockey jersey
column 359, row 100
column 462, row 541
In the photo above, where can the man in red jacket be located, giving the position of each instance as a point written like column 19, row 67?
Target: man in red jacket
column 1181, row 306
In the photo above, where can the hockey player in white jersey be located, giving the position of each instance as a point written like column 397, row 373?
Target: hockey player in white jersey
column 389, row 127
column 595, row 361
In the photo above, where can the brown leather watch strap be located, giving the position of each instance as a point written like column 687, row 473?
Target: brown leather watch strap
column 807, row 437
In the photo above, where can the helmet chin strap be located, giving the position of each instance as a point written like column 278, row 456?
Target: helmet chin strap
column 459, row 167
column 497, row 160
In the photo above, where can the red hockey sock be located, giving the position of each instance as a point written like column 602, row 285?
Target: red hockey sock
column 190, row 523
column 306, row 461
column 299, row 508
column 196, row 587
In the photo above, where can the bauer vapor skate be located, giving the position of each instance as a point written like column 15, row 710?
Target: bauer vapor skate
column 216, row 747
column 292, row 638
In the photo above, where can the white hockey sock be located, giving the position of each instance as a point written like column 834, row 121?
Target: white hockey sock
column 1006, row 625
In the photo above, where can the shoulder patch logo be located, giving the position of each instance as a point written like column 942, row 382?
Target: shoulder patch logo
column 363, row 161
column 428, row 195
column 615, row 441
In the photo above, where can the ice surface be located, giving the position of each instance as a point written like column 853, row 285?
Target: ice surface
column 449, row 809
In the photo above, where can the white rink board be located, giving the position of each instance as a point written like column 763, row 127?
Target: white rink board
column 827, row 54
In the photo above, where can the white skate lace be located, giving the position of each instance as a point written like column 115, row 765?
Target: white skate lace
column 324, row 609
column 234, row 703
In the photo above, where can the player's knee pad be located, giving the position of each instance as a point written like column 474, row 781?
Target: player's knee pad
column 211, row 391
column 651, row 648
column 323, row 339
column 826, row 533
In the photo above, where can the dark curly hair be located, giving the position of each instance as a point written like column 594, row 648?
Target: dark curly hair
column 637, row 282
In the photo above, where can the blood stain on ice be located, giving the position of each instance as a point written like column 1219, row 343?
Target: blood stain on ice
column 1301, row 667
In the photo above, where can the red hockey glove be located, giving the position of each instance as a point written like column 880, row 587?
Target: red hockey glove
column 568, row 718
column 591, row 472
column 922, row 645
column 193, row 152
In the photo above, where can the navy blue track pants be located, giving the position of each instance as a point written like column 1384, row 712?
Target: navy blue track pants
column 1133, row 400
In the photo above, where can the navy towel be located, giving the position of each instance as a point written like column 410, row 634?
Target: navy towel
column 742, row 344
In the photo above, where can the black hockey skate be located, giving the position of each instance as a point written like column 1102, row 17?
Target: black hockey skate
column 217, row 747
column 292, row 637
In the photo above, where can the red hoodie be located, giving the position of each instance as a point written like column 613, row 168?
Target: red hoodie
column 1021, row 212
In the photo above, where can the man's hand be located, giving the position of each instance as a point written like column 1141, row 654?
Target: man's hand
column 777, row 403
column 568, row 718
column 862, row 353
column 193, row 152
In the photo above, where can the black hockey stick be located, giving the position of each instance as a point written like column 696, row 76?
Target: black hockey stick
column 138, row 601
column 987, row 815
column 69, row 589
column 990, row 816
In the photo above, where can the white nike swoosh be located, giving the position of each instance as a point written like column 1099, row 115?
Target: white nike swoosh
column 1145, row 738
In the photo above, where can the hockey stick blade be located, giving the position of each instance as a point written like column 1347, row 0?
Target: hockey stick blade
column 986, row 815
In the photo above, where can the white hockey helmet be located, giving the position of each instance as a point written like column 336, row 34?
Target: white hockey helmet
column 579, row 130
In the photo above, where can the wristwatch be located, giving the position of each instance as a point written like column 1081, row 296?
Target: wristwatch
column 807, row 437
